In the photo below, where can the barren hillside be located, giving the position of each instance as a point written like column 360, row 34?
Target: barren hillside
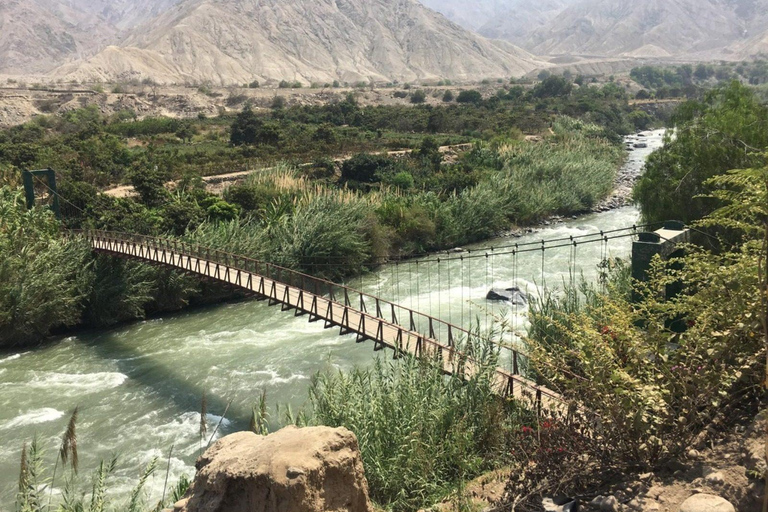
column 511, row 20
column 652, row 28
column 36, row 37
column 236, row 41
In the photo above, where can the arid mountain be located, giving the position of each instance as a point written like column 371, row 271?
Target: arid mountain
column 236, row 41
column 121, row 14
column 36, row 36
column 752, row 48
column 512, row 20
column 650, row 28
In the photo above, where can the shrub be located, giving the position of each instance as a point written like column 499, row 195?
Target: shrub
column 553, row 87
column 365, row 168
column 43, row 278
column 402, row 180
column 421, row 434
column 728, row 129
column 448, row 97
column 471, row 96
column 418, row 96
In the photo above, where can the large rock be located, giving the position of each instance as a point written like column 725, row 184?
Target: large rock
column 293, row 470
column 513, row 295
column 706, row 503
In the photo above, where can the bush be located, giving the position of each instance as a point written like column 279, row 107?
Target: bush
column 470, row 96
column 43, row 278
column 402, row 180
column 418, row 96
column 365, row 168
column 553, row 87
column 727, row 130
column 421, row 434
column 448, row 97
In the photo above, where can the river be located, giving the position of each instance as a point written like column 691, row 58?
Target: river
column 139, row 386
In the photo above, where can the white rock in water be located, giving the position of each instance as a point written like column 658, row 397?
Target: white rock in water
column 706, row 503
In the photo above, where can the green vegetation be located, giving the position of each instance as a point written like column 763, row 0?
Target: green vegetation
column 727, row 129
column 421, row 434
column 396, row 205
column 688, row 80
column 43, row 278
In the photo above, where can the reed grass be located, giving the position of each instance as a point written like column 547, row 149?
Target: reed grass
column 420, row 432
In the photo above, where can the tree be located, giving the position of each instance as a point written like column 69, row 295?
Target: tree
column 727, row 130
column 553, row 87
column 364, row 167
column 43, row 277
column 148, row 181
column 418, row 96
column 448, row 97
column 245, row 127
column 470, row 96
column 185, row 131
column 640, row 119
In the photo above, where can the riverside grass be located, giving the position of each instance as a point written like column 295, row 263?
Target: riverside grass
column 421, row 433
column 336, row 232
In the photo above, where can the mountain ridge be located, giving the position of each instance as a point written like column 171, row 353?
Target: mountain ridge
column 236, row 41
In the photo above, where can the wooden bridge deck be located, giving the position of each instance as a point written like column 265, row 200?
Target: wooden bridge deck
column 326, row 302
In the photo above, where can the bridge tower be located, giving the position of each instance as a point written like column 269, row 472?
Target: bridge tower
column 50, row 180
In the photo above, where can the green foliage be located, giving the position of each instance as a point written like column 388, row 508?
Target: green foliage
column 418, row 96
column 420, row 433
column 728, row 129
column 470, row 96
column 245, row 128
column 553, row 87
column 654, row 385
column 43, row 278
column 448, row 97
column 640, row 119
column 365, row 168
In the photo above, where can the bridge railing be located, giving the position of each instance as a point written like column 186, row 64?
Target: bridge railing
column 426, row 325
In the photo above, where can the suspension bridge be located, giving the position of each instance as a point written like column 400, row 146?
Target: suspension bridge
column 369, row 317
column 391, row 324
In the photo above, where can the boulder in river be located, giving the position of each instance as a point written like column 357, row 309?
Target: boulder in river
column 293, row 470
column 513, row 295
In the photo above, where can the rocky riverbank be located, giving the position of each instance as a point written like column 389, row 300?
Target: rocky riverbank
column 632, row 170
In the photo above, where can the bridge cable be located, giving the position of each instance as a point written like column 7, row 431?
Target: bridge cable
column 486, row 287
column 462, row 293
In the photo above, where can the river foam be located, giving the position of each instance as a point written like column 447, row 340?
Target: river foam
column 34, row 417
column 77, row 381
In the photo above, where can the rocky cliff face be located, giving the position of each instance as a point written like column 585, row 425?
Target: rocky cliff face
column 120, row 14
column 236, row 41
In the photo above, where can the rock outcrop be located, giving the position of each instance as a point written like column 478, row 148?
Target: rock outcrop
column 706, row 503
column 293, row 470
